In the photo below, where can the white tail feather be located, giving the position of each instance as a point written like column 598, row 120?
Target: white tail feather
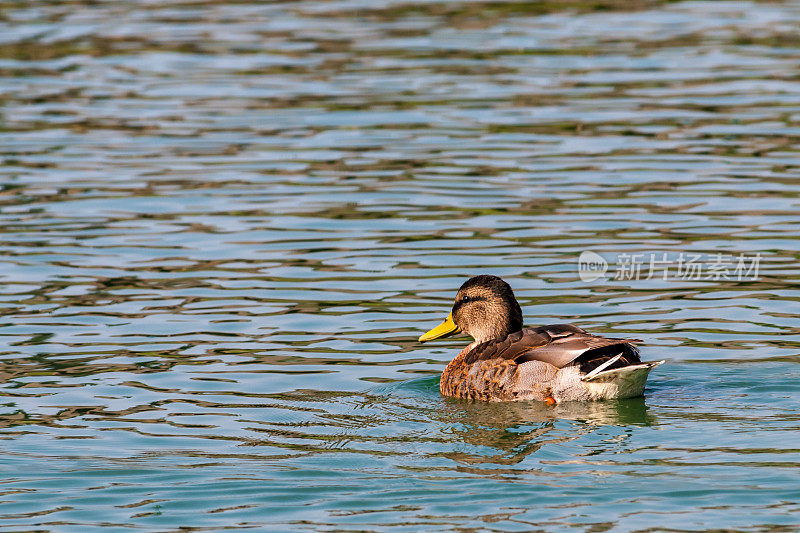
column 625, row 382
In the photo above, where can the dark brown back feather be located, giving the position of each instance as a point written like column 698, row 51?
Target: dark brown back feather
column 559, row 345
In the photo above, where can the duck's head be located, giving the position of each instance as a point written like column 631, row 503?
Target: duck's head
column 485, row 309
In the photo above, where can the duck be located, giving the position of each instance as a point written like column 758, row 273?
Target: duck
column 509, row 362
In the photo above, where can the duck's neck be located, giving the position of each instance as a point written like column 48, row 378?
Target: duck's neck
column 488, row 332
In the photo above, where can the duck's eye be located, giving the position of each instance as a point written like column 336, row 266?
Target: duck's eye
column 466, row 299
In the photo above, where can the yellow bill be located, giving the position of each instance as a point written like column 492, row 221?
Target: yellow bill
column 445, row 329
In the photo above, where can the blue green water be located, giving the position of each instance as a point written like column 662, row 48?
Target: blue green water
column 223, row 226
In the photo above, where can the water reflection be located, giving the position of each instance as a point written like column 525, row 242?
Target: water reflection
column 506, row 433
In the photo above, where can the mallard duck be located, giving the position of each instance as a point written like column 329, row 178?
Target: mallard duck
column 553, row 363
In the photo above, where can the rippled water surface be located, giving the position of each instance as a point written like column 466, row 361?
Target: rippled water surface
column 224, row 225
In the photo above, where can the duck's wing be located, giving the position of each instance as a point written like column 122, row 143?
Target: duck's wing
column 558, row 345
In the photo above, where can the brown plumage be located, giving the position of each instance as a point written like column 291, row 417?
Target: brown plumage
column 552, row 363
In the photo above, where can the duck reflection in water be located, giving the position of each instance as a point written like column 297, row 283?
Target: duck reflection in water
column 506, row 433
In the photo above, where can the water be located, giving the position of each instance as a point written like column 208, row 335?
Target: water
column 224, row 225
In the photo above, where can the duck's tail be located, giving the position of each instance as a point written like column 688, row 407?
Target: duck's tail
column 623, row 382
